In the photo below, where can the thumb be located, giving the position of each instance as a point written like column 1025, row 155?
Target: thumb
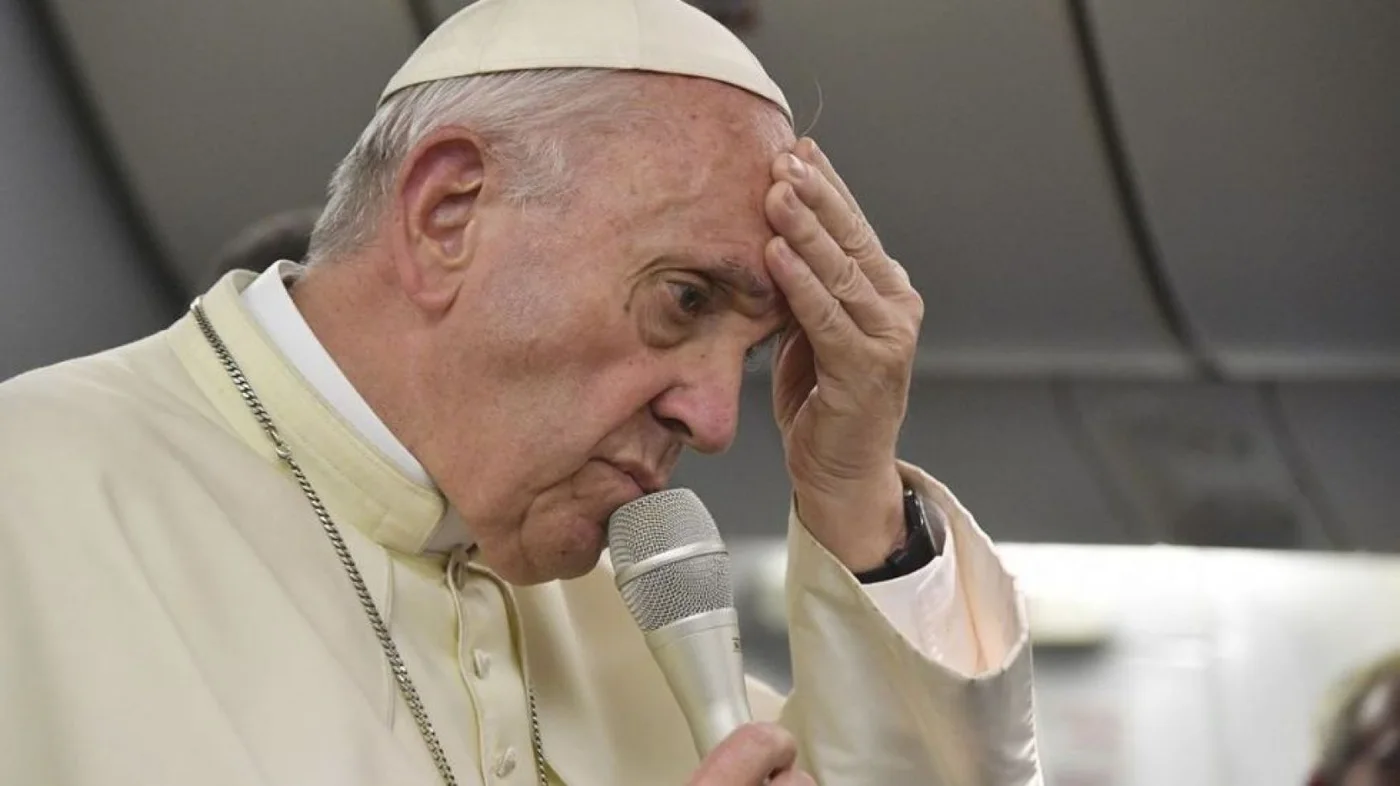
column 748, row 756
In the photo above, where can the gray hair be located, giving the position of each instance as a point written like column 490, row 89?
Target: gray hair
column 528, row 120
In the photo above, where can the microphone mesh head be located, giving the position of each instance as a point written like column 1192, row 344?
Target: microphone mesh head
column 653, row 525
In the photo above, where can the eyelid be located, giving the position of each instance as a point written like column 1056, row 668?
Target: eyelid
column 714, row 292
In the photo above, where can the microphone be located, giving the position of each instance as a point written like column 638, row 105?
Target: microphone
column 673, row 573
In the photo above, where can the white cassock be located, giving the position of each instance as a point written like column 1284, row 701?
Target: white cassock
column 172, row 613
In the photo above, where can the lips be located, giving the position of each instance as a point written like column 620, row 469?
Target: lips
column 647, row 479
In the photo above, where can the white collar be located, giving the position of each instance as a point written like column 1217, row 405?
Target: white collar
column 272, row 307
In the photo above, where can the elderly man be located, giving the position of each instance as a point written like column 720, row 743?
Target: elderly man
column 342, row 523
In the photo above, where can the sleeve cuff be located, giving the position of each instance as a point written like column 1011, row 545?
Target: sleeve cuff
column 962, row 610
column 898, row 600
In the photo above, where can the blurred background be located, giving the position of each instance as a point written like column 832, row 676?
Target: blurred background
column 1159, row 242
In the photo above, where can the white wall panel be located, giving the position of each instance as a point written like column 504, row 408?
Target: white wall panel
column 1206, row 667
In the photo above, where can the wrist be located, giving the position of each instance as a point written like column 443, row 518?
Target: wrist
column 860, row 524
column 923, row 542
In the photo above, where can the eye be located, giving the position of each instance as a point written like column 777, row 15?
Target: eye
column 693, row 300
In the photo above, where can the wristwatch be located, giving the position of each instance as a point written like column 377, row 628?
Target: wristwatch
column 920, row 546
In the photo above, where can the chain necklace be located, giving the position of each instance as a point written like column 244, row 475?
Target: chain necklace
column 352, row 571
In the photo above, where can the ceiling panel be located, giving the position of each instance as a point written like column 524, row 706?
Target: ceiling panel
column 74, row 281
column 1201, row 464
column 1348, row 435
column 224, row 112
column 1010, row 453
column 966, row 130
column 1001, row 448
column 1265, row 138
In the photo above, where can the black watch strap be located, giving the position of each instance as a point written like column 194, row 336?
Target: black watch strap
column 919, row 547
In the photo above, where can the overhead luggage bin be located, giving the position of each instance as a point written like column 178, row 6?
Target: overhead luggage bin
column 1265, row 140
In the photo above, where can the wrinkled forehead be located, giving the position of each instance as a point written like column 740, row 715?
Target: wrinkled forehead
column 699, row 165
column 702, row 123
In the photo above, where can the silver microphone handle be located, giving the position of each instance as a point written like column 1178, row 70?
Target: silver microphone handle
column 704, row 664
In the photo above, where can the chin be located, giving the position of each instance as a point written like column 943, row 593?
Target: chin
column 563, row 534
column 550, row 549
column 575, row 546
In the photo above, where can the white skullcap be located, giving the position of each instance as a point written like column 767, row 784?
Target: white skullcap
column 666, row 36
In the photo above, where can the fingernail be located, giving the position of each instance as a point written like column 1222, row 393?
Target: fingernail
column 795, row 166
column 784, row 251
column 790, row 197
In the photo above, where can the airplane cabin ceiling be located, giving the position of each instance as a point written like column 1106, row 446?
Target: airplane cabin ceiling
column 221, row 113
column 1009, row 451
column 1263, row 137
column 56, row 216
column 1348, row 438
column 967, row 132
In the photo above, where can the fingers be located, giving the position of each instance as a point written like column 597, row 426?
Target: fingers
column 820, row 315
column 793, row 778
column 845, row 284
column 795, row 374
column 835, row 210
column 822, row 189
column 807, row 149
column 748, row 757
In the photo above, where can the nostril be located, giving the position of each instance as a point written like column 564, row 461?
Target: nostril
column 676, row 426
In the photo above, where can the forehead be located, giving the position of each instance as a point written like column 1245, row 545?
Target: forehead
column 695, row 172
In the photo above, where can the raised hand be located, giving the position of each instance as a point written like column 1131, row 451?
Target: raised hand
column 841, row 381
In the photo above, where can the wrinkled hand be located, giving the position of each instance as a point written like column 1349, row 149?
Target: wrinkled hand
column 756, row 754
column 840, row 381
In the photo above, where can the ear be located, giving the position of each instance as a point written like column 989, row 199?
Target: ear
column 435, row 226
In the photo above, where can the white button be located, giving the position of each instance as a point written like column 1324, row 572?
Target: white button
column 505, row 763
column 482, row 660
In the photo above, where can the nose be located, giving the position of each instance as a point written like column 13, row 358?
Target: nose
column 703, row 407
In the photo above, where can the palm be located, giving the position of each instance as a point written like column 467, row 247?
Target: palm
column 794, row 380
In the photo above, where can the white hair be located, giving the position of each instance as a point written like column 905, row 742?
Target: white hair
column 529, row 121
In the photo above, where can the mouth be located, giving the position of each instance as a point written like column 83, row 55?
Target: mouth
column 647, row 480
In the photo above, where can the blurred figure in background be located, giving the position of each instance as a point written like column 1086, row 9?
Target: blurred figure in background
column 284, row 235
column 1361, row 735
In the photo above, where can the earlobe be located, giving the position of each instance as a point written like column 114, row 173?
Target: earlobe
column 436, row 199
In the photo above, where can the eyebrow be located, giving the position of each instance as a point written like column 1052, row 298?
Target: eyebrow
column 737, row 276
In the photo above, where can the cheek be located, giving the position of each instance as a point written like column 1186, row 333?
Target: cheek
column 599, row 407
column 564, row 408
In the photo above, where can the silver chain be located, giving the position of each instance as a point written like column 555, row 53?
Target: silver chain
column 381, row 631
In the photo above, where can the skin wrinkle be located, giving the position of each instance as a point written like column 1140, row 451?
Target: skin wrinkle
column 515, row 370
